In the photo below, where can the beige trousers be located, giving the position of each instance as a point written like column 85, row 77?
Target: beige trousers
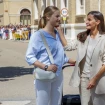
column 89, row 97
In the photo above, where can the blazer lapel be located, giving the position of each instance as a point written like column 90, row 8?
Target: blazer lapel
column 98, row 37
column 83, row 49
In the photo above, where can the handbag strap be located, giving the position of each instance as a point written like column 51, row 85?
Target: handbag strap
column 47, row 48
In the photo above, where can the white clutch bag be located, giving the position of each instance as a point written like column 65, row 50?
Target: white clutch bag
column 44, row 75
column 40, row 73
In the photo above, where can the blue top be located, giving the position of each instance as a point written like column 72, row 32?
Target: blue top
column 37, row 51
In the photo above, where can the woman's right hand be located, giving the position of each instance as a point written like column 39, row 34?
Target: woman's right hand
column 62, row 37
column 60, row 30
column 52, row 68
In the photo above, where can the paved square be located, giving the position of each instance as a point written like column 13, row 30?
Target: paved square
column 16, row 78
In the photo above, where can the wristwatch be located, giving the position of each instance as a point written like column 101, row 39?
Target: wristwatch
column 46, row 67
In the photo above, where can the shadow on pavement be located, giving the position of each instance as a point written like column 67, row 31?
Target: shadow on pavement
column 6, row 73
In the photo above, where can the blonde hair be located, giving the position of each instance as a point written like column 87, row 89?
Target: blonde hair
column 47, row 12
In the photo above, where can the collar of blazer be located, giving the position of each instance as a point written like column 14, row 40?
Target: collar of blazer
column 83, row 47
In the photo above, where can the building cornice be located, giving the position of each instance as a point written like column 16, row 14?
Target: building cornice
column 17, row 0
column 14, row 15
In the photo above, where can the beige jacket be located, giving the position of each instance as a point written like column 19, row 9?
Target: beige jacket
column 97, row 59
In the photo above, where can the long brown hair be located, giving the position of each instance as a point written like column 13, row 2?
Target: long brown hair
column 47, row 12
column 101, row 27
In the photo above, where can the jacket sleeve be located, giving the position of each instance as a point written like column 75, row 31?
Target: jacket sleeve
column 71, row 46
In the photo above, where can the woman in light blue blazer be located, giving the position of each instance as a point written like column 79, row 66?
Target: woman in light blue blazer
column 89, row 71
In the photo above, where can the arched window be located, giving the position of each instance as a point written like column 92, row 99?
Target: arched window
column 25, row 17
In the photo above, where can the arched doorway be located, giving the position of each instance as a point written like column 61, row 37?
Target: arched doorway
column 25, row 17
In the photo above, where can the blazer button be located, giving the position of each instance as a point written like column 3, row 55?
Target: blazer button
column 91, row 65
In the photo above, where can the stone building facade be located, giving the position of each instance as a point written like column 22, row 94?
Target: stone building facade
column 16, row 12
column 29, row 11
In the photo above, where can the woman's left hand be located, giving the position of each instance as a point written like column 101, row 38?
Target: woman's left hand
column 91, row 83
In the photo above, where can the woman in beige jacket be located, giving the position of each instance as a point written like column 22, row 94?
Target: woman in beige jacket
column 89, row 71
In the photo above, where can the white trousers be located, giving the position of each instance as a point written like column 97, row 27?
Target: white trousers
column 49, row 92
column 89, row 97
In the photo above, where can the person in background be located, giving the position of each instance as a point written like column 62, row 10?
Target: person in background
column 89, row 71
column 29, row 31
column 4, row 37
column 0, row 33
column 10, row 33
column 6, row 31
column 48, row 92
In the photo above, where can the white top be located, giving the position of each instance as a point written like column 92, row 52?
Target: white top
column 90, row 48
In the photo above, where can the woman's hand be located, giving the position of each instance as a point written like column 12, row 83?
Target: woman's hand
column 52, row 68
column 62, row 37
column 92, row 83
column 94, row 80
column 60, row 30
column 71, row 61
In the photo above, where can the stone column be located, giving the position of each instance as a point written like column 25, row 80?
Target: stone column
column 32, row 12
column 48, row 2
column 59, row 4
column 72, row 11
column 102, row 9
column 94, row 5
column 91, row 5
column 6, row 12
column 39, row 8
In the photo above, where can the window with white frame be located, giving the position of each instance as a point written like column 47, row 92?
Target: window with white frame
column 81, row 1
column 80, row 7
column 64, row 4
